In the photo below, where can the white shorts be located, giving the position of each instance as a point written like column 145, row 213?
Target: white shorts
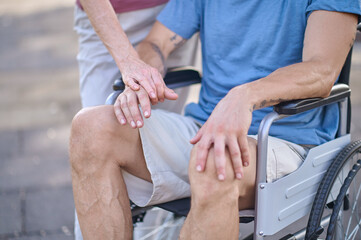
column 165, row 140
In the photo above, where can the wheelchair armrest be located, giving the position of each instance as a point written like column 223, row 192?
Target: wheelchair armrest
column 174, row 78
column 182, row 77
column 338, row 93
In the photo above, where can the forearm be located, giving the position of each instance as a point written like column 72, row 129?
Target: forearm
column 157, row 46
column 328, row 38
column 150, row 53
column 302, row 80
column 107, row 27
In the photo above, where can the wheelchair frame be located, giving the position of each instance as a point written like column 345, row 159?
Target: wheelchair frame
column 291, row 198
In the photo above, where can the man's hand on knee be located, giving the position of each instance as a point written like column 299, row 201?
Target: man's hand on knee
column 226, row 128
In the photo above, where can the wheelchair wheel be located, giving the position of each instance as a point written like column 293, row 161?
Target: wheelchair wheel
column 336, row 205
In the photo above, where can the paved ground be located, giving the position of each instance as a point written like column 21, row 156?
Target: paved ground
column 38, row 97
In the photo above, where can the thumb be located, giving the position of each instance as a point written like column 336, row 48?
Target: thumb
column 196, row 138
column 131, row 83
column 170, row 94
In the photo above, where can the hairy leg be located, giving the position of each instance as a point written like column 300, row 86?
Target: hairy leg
column 215, row 204
column 99, row 149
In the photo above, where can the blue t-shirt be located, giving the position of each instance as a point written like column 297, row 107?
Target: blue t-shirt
column 243, row 41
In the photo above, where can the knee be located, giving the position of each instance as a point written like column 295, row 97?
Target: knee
column 206, row 189
column 86, row 127
column 79, row 126
column 90, row 137
column 205, row 186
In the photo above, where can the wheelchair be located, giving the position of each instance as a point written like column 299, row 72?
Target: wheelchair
column 325, row 189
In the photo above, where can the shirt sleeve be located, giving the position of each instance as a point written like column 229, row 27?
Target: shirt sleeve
column 181, row 17
column 347, row 6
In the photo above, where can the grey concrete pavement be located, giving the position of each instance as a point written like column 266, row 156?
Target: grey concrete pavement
column 38, row 98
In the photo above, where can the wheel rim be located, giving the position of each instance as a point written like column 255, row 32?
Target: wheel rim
column 329, row 202
column 346, row 224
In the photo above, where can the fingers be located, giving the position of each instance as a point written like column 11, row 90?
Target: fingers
column 126, row 111
column 197, row 137
column 126, row 108
column 202, row 154
column 118, row 112
column 159, row 84
column 245, row 152
column 134, row 112
column 150, row 88
column 146, row 83
column 170, row 94
column 151, row 80
column 144, row 102
column 235, row 154
column 238, row 153
column 220, row 158
column 131, row 83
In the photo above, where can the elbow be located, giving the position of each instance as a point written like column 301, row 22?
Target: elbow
column 327, row 76
column 326, row 88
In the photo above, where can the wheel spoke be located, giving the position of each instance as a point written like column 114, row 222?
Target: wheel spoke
column 336, row 187
column 354, row 232
column 340, row 224
column 354, row 207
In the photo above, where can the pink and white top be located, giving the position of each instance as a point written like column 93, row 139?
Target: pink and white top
column 121, row 6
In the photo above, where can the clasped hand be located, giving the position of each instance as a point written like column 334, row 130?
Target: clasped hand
column 127, row 110
column 137, row 74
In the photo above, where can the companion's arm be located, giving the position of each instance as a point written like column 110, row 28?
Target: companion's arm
column 157, row 46
column 135, row 72
column 154, row 49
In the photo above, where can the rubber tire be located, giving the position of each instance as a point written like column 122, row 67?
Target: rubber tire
column 313, row 226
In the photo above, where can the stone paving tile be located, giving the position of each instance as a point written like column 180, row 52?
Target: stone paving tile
column 10, row 214
column 46, row 237
column 44, row 37
column 47, row 141
column 41, row 161
column 34, row 172
column 49, row 209
column 9, row 144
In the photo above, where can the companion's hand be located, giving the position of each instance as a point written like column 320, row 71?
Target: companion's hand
column 226, row 129
column 126, row 107
column 137, row 74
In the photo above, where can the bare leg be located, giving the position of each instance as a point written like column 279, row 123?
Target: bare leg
column 215, row 204
column 99, row 149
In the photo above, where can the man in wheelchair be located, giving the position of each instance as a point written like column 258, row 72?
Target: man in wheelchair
column 256, row 54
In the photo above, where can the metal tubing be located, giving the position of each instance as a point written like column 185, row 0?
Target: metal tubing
column 262, row 147
column 112, row 97
column 343, row 118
